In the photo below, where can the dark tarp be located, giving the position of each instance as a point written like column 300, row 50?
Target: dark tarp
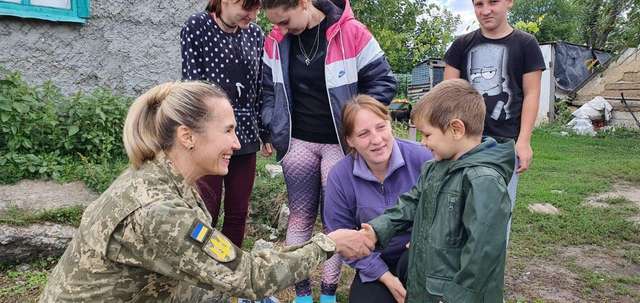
column 571, row 64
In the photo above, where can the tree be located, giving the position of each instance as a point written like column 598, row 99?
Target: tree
column 601, row 18
column 604, row 24
column 530, row 27
column 433, row 33
column 556, row 20
column 408, row 31
column 627, row 33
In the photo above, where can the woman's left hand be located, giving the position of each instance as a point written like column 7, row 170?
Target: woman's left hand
column 266, row 150
column 394, row 285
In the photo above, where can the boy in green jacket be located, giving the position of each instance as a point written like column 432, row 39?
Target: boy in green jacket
column 459, row 208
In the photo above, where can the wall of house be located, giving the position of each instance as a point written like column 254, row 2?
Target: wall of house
column 125, row 45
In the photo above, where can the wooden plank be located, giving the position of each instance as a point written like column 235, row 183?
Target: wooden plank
column 631, row 93
column 623, row 86
column 631, row 77
column 615, row 102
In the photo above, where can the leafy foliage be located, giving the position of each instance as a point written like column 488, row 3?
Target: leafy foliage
column 531, row 27
column 605, row 24
column 408, row 31
column 556, row 19
column 45, row 134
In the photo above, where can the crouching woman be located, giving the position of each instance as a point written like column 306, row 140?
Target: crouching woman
column 148, row 239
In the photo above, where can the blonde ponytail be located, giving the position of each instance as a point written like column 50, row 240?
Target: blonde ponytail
column 153, row 117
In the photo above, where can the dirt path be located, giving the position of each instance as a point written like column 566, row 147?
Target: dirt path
column 577, row 274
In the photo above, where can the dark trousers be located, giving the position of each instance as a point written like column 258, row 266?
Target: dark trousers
column 238, row 184
column 375, row 291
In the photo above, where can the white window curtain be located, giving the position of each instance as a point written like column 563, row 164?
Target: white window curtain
column 64, row 4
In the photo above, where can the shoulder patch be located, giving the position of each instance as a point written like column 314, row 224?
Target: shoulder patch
column 199, row 231
column 218, row 247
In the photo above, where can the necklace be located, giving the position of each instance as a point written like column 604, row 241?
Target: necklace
column 232, row 28
column 314, row 47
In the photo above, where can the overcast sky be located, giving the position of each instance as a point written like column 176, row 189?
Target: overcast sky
column 464, row 8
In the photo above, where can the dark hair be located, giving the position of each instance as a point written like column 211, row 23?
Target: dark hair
column 451, row 99
column 214, row 6
column 285, row 4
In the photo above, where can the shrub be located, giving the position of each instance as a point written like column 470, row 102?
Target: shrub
column 44, row 134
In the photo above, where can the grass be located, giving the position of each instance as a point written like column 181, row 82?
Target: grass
column 67, row 215
column 19, row 284
column 633, row 255
column 578, row 167
column 596, row 282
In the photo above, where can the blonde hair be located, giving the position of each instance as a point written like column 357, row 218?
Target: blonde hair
column 153, row 118
column 451, row 99
column 355, row 105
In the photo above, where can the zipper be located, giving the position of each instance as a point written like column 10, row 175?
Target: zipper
column 333, row 118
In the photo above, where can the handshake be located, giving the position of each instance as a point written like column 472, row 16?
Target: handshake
column 354, row 244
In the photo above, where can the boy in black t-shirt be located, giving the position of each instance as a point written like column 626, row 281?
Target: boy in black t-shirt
column 505, row 65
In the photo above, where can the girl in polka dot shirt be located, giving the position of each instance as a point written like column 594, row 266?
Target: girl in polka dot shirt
column 223, row 46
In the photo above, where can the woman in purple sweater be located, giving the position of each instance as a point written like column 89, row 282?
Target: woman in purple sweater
column 361, row 186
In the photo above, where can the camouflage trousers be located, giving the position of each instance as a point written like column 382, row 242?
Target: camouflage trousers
column 178, row 292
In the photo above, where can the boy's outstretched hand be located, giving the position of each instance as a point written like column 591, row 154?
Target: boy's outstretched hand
column 351, row 244
column 368, row 231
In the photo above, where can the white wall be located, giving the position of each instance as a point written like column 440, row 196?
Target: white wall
column 547, row 88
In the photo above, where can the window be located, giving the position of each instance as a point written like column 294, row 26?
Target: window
column 54, row 10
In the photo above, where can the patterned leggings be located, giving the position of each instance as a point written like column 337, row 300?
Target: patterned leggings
column 306, row 167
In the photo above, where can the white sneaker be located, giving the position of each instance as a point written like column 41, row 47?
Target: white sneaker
column 271, row 299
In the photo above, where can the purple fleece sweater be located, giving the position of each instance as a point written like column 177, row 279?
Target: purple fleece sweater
column 353, row 196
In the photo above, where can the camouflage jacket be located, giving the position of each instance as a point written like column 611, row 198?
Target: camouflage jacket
column 146, row 239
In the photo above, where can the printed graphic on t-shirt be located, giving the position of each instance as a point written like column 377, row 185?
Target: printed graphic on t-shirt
column 487, row 73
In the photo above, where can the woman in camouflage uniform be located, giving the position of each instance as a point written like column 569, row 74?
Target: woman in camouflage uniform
column 147, row 238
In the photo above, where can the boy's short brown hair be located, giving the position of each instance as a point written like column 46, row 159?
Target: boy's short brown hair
column 451, row 99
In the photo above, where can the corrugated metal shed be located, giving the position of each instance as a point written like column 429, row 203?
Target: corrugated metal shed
column 424, row 76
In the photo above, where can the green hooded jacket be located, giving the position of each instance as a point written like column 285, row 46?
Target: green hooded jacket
column 459, row 212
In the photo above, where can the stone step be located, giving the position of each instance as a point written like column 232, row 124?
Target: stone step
column 20, row 244
column 613, row 100
column 628, row 93
column 39, row 195
column 622, row 86
column 631, row 77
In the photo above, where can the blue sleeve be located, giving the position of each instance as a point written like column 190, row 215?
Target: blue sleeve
column 376, row 80
column 259, row 104
column 267, row 93
column 339, row 211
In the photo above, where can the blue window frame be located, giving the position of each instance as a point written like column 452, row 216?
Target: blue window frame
column 53, row 10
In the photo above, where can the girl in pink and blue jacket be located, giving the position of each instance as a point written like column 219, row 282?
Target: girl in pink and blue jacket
column 316, row 58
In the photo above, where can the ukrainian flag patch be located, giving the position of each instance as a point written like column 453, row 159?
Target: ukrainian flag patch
column 199, row 231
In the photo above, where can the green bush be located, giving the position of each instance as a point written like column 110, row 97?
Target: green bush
column 44, row 134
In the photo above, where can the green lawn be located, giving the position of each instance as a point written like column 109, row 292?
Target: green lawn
column 565, row 171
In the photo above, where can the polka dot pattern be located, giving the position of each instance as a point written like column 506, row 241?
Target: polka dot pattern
column 231, row 61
